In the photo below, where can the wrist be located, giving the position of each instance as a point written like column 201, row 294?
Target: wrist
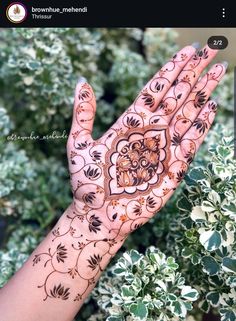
column 73, row 256
column 88, row 226
column 87, row 233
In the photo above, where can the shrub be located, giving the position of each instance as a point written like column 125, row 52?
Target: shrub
column 38, row 72
column 204, row 238
column 144, row 287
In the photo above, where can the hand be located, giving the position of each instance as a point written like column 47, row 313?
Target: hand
column 121, row 180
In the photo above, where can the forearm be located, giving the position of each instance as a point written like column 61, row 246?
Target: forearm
column 59, row 274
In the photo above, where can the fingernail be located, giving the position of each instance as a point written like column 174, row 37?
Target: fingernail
column 195, row 45
column 225, row 64
column 82, row 80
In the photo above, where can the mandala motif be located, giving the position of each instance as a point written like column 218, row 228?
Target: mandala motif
column 137, row 161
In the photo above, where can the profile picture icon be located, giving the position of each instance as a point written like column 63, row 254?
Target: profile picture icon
column 16, row 12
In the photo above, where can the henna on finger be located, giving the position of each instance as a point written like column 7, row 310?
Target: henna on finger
column 121, row 180
column 201, row 125
column 156, row 88
column 182, row 120
column 184, row 83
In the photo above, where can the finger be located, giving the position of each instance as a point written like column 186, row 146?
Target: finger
column 183, row 119
column 156, row 88
column 82, row 124
column 196, row 134
column 84, row 109
column 183, row 151
column 186, row 80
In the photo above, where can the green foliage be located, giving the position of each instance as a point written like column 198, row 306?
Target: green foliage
column 42, row 66
column 16, row 173
column 144, row 287
column 196, row 229
column 198, row 226
column 225, row 97
column 5, row 123
column 21, row 242
column 204, row 235
column 32, row 194
column 159, row 44
column 30, row 190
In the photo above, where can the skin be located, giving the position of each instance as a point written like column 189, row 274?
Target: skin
column 119, row 182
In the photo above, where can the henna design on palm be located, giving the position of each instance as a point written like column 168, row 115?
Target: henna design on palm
column 121, row 180
column 136, row 162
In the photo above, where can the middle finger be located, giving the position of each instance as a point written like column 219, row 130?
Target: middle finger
column 183, row 85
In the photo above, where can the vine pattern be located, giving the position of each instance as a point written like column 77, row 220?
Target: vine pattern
column 121, row 180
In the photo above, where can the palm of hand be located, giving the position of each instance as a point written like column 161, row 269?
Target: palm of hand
column 121, row 180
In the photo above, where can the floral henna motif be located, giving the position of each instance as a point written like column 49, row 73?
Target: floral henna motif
column 85, row 246
column 150, row 95
column 58, row 292
column 185, row 82
column 202, row 54
column 137, row 162
column 200, row 99
column 201, row 125
column 121, row 180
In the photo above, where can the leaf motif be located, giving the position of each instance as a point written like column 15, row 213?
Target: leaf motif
column 137, row 209
column 96, row 155
column 91, row 173
column 176, row 140
column 180, row 175
column 94, row 224
column 151, row 202
column 73, row 272
column 84, row 94
column 61, row 253
column 114, row 216
column 36, row 259
column 82, row 146
column 179, row 96
column 132, row 122
column 89, row 197
column 203, row 54
column 159, row 87
column 200, row 125
column 148, row 99
column 163, row 105
column 94, row 261
column 189, row 157
column 59, row 292
column 200, row 99
column 137, row 225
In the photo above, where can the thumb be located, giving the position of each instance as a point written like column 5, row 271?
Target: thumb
column 84, row 109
